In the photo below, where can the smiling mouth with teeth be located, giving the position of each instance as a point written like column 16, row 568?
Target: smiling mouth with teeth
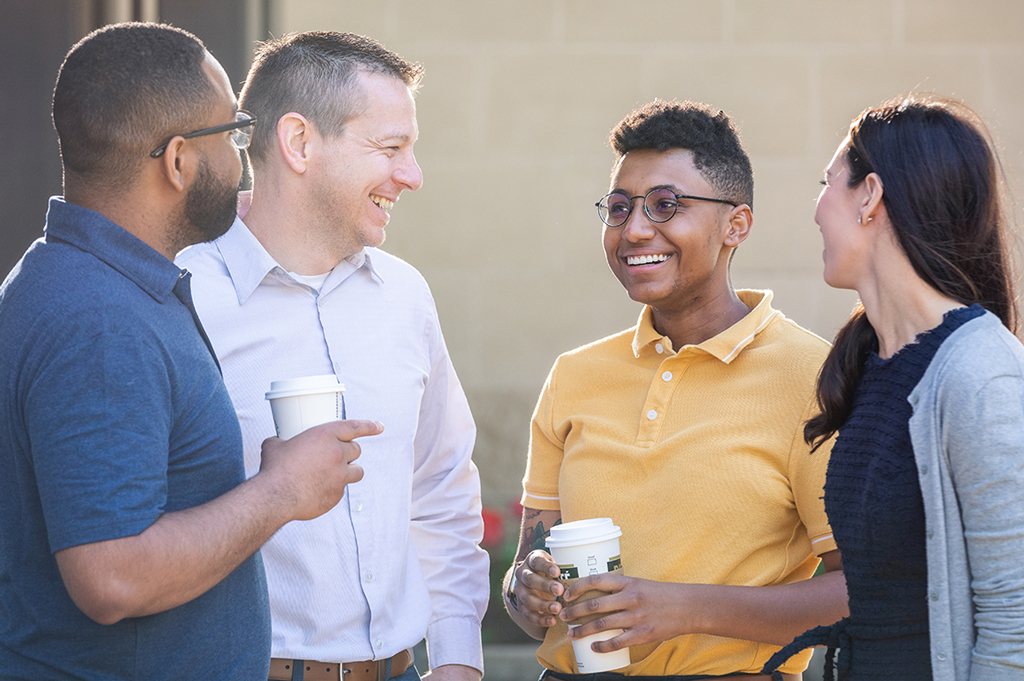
column 384, row 204
column 645, row 259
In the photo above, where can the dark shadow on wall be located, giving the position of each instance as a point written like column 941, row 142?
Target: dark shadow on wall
column 34, row 37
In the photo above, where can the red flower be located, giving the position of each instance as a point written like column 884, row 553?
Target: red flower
column 494, row 527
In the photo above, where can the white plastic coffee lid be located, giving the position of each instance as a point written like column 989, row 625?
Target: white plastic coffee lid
column 587, row 531
column 306, row 385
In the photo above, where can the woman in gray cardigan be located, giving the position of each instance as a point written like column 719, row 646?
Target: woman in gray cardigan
column 925, row 388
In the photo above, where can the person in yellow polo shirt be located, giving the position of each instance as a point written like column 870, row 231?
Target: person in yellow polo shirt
column 686, row 431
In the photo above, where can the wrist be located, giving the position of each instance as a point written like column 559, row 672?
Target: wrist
column 455, row 672
column 276, row 497
column 510, row 592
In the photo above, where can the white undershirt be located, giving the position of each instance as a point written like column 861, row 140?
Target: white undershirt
column 314, row 281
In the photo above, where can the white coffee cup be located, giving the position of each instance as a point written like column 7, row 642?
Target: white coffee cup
column 582, row 548
column 301, row 403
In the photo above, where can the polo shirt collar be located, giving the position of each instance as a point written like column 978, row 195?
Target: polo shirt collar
column 249, row 263
column 129, row 255
column 725, row 346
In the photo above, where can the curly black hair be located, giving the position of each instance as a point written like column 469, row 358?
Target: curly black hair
column 715, row 142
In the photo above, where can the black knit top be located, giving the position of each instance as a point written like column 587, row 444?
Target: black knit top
column 873, row 500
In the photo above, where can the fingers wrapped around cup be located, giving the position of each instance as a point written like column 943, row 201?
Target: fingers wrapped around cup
column 537, row 592
column 582, row 608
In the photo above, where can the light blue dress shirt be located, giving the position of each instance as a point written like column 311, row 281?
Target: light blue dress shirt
column 398, row 558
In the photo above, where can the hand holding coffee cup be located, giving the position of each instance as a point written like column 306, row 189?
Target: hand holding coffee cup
column 313, row 457
column 580, row 549
column 648, row 612
column 538, row 588
column 313, row 468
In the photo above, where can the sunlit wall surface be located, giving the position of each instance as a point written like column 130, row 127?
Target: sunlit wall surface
column 514, row 114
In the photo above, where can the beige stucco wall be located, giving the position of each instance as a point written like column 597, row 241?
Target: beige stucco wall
column 514, row 113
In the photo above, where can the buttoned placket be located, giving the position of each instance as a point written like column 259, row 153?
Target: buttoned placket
column 659, row 396
column 335, row 363
column 319, row 297
column 358, row 507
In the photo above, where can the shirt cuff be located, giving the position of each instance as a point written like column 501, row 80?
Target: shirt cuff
column 823, row 544
column 541, row 502
column 455, row 640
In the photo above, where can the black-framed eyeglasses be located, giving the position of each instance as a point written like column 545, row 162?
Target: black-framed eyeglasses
column 241, row 132
column 659, row 204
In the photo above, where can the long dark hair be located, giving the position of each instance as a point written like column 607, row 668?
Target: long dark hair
column 941, row 189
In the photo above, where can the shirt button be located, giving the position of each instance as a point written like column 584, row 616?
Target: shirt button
column 929, row 534
column 379, row 644
column 667, row 376
column 924, row 469
column 337, row 367
column 651, row 415
column 942, row 657
column 934, row 596
column 359, row 506
column 659, row 348
column 369, row 576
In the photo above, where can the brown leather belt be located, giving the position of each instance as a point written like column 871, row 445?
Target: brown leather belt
column 371, row 670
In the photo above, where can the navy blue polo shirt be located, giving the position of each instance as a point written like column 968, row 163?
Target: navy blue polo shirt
column 113, row 412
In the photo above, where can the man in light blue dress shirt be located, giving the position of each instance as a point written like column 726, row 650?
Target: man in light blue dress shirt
column 300, row 288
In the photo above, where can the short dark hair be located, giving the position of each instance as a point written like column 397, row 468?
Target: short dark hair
column 715, row 142
column 314, row 75
column 122, row 91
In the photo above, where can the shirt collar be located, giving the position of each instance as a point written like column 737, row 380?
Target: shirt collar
column 364, row 258
column 93, row 233
column 249, row 263
column 728, row 344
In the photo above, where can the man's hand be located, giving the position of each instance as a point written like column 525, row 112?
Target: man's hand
column 452, row 672
column 313, row 468
column 185, row 553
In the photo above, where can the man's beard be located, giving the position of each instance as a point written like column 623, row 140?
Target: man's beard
column 209, row 208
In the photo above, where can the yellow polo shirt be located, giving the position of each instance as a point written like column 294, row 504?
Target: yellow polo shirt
column 698, row 456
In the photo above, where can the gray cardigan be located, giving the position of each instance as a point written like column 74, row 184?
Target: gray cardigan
column 968, row 437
